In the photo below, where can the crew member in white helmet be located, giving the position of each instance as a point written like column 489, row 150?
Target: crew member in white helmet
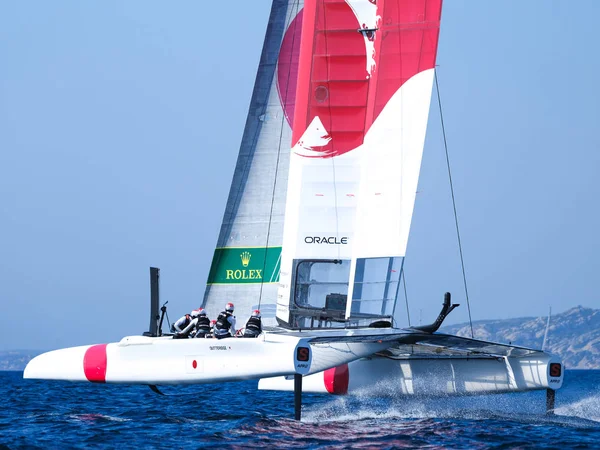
column 203, row 324
column 225, row 325
column 254, row 325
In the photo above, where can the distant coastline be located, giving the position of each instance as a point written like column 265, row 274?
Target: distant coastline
column 573, row 335
column 17, row 359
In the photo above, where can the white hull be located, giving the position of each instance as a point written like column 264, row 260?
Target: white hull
column 151, row 360
column 369, row 361
column 430, row 376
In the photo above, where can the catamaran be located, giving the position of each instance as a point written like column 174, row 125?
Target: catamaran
column 316, row 227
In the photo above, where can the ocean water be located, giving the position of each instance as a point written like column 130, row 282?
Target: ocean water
column 52, row 414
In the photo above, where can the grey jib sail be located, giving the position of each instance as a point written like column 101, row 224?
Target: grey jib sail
column 245, row 265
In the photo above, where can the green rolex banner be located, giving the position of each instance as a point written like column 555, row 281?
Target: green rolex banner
column 245, row 265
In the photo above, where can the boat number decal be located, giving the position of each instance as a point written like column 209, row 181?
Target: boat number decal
column 302, row 354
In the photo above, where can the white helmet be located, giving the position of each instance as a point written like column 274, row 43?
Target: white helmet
column 201, row 312
column 256, row 313
column 195, row 313
column 229, row 307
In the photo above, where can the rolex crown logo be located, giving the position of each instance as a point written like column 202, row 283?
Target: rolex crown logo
column 245, row 258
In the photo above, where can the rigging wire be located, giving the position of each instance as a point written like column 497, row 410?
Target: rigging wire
column 402, row 161
column 283, row 119
column 405, row 295
column 462, row 263
column 545, row 341
column 327, row 77
column 223, row 239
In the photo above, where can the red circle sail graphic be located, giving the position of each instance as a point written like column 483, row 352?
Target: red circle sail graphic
column 349, row 67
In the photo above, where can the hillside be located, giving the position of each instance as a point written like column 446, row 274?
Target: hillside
column 16, row 359
column 574, row 335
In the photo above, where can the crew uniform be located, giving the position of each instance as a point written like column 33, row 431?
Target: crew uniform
column 254, row 325
column 212, row 329
column 179, row 326
column 184, row 328
column 202, row 325
column 225, row 324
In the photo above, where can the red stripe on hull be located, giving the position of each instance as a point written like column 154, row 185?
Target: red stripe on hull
column 337, row 379
column 94, row 363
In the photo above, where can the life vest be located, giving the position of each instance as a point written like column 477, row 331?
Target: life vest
column 223, row 322
column 254, row 324
column 203, row 324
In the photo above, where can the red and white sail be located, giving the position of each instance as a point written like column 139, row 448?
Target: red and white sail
column 362, row 102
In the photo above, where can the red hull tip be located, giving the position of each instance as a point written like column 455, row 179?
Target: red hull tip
column 337, row 379
column 94, row 363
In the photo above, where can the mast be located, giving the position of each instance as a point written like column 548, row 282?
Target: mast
column 246, row 262
column 544, row 342
column 154, row 328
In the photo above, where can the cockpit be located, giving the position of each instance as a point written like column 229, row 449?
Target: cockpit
column 320, row 291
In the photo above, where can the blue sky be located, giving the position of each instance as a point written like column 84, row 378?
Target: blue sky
column 119, row 129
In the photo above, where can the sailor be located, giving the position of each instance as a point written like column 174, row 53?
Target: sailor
column 254, row 325
column 181, row 323
column 212, row 329
column 225, row 325
column 184, row 326
column 202, row 324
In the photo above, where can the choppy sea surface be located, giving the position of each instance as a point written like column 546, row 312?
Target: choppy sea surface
column 52, row 414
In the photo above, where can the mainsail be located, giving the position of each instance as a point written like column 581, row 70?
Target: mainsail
column 246, row 262
column 354, row 78
column 364, row 87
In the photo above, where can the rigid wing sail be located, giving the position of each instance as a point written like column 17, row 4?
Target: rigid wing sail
column 316, row 226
